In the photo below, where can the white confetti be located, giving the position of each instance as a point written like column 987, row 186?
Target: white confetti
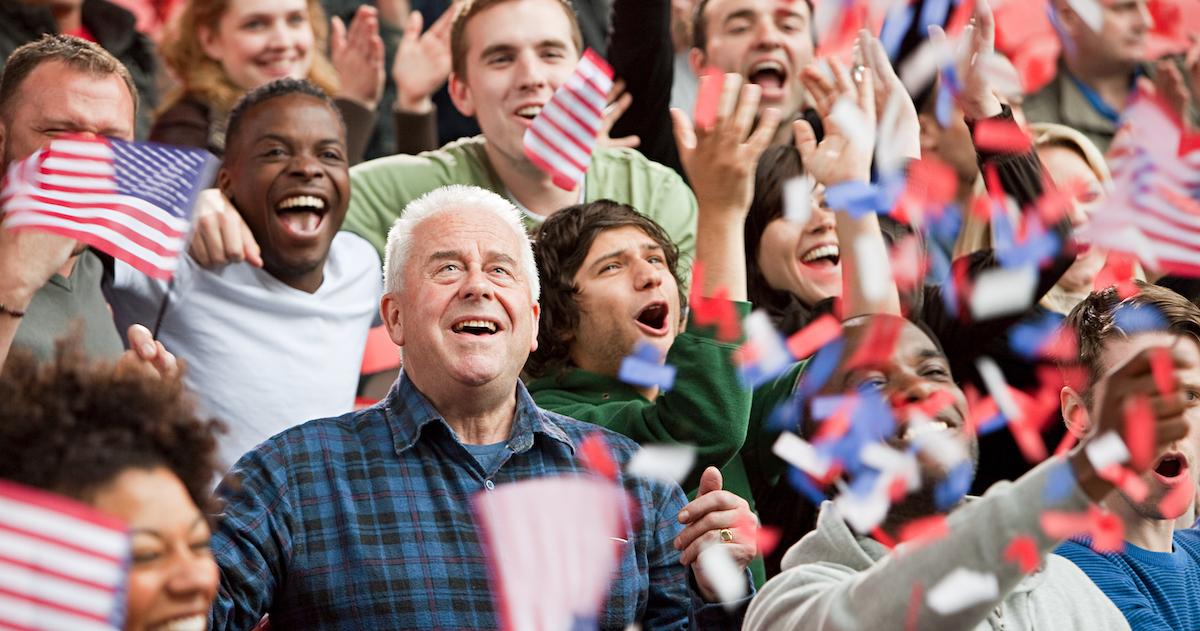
column 801, row 454
column 723, row 574
column 797, row 199
column 864, row 513
column 1000, row 292
column 961, row 589
column 1090, row 12
column 851, row 122
column 993, row 379
column 1106, row 450
column 874, row 270
column 668, row 463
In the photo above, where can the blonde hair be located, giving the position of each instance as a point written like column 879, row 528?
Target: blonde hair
column 204, row 77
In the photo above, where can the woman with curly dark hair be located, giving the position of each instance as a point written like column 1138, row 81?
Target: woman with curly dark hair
column 129, row 444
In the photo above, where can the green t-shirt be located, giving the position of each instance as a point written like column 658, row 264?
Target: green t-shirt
column 380, row 189
column 65, row 303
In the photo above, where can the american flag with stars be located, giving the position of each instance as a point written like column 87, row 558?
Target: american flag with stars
column 63, row 565
column 131, row 200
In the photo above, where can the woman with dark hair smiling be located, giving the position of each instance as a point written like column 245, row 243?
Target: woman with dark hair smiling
column 129, row 444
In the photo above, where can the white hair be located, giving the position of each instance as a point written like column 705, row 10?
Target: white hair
column 452, row 199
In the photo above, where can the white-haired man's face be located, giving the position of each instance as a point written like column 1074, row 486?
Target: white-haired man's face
column 465, row 315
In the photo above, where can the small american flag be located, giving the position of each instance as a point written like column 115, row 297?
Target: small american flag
column 62, row 564
column 561, row 139
column 131, row 200
column 1153, row 210
column 553, row 545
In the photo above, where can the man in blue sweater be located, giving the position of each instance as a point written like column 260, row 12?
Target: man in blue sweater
column 1155, row 579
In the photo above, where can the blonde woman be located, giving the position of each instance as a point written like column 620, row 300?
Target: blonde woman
column 220, row 49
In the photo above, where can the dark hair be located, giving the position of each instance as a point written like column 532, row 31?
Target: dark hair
column 471, row 8
column 1096, row 320
column 777, row 165
column 75, row 53
column 71, row 426
column 700, row 24
column 560, row 245
column 273, row 90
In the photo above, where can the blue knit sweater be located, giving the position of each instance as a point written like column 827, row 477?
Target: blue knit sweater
column 1155, row 590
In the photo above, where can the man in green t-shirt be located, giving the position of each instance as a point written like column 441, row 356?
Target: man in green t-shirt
column 508, row 58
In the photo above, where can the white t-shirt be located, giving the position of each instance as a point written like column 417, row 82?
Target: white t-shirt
column 261, row 355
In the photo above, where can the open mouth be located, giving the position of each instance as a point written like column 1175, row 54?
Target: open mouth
column 1170, row 467
column 822, row 257
column 769, row 75
column 653, row 317
column 475, row 327
column 302, row 215
column 529, row 112
column 190, row 623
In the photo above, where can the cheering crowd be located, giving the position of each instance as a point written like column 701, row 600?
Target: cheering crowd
column 849, row 322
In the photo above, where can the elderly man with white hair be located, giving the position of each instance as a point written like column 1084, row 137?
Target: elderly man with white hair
column 365, row 520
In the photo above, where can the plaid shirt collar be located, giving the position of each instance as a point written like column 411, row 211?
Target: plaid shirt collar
column 408, row 412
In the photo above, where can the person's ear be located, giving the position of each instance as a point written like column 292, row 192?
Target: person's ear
column 930, row 134
column 537, row 317
column 210, row 43
column 460, row 95
column 1074, row 411
column 697, row 60
column 225, row 183
column 392, row 316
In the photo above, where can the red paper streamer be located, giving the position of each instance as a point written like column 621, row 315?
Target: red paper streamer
column 1023, row 551
column 596, row 456
column 818, row 333
column 1139, row 432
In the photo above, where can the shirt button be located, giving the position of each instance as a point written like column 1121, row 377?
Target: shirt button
column 489, row 485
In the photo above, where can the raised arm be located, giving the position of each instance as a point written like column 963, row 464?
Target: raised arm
column 640, row 52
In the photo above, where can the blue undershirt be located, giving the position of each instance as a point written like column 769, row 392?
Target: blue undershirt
column 488, row 456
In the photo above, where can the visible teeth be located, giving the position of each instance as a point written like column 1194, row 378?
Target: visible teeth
column 530, row 110
column 767, row 65
column 192, row 623
column 301, row 201
column 818, row 252
column 918, row 429
column 478, row 324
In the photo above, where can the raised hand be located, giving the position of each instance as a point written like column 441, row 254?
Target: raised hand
column 847, row 109
column 618, row 101
column 978, row 42
column 715, row 517
column 221, row 236
column 900, row 129
column 357, row 56
column 422, row 62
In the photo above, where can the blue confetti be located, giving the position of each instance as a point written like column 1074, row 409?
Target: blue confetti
column 944, row 106
column 820, row 368
column 1138, row 318
column 642, row 369
column 786, row 416
column 950, row 491
column 895, row 25
column 933, row 12
column 1028, row 336
column 805, row 485
column 991, row 424
column 1059, row 483
column 856, row 198
column 1035, row 251
column 824, row 407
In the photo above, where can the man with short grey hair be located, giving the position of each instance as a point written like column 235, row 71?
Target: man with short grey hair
column 365, row 521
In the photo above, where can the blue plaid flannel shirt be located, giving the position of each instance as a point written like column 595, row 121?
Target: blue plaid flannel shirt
column 364, row 522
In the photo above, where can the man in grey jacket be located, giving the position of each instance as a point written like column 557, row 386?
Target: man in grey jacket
column 974, row 575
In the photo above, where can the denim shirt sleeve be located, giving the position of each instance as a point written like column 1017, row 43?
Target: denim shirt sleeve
column 252, row 541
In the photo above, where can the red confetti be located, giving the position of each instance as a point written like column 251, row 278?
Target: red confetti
column 594, row 453
column 1163, row 369
column 1023, row 551
column 1130, row 483
column 1000, row 136
column 1139, row 432
column 765, row 537
column 925, row 529
column 1107, row 530
column 1068, row 440
column 882, row 537
column 838, row 423
column 914, row 607
column 717, row 310
column 708, row 98
column 818, row 333
column 877, row 344
column 1060, row 525
column 897, row 489
column 931, row 182
column 1177, row 500
column 1118, row 270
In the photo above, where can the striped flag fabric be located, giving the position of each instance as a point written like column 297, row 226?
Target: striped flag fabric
column 553, row 545
column 131, row 200
column 562, row 136
column 1153, row 210
column 63, row 565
